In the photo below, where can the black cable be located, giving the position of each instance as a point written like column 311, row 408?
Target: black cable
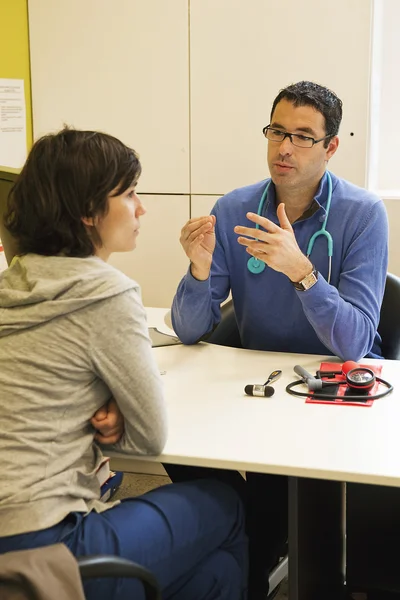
column 318, row 396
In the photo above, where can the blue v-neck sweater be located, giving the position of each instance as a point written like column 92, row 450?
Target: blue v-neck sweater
column 339, row 318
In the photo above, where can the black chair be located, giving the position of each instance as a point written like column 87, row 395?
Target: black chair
column 9, row 243
column 19, row 569
column 114, row 566
column 389, row 324
column 226, row 332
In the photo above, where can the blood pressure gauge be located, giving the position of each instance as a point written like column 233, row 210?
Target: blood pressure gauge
column 360, row 378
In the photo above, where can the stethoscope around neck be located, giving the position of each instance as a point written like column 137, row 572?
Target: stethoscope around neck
column 256, row 266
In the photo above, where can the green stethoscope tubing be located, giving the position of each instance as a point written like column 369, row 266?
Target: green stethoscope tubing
column 257, row 266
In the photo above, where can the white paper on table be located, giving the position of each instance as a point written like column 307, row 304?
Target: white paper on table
column 12, row 123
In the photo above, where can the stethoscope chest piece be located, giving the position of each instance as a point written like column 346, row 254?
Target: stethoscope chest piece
column 255, row 265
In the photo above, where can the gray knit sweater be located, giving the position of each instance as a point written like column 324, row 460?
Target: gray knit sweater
column 73, row 334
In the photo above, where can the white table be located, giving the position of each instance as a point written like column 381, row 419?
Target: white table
column 213, row 423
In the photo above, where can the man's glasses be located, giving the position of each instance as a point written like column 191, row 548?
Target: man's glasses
column 302, row 141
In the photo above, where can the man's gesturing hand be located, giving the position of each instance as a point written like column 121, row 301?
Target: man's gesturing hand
column 275, row 245
column 198, row 241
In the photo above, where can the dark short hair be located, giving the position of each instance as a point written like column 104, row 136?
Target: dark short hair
column 67, row 176
column 308, row 93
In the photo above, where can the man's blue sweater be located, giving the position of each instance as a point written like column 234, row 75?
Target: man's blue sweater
column 338, row 318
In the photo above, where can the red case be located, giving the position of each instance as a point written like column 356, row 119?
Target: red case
column 377, row 369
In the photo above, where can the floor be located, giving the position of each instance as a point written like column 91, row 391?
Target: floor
column 136, row 484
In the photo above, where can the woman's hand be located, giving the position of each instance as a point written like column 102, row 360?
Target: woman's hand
column 109, row 423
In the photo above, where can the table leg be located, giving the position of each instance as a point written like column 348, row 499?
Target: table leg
column 373, row 534
column 315, row 539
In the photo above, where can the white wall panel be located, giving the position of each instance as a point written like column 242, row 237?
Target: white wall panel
column 121, row 67
column 385, row 122
column 242, row 53
column 202, row 205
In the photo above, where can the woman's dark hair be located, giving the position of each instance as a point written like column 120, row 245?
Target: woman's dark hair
column 67, row 176
column 307, row 93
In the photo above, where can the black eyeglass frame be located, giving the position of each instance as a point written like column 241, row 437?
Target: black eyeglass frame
column 296, row 135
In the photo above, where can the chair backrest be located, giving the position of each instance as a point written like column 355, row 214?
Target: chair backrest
column 389, row 324
column 9, row 243
column 42, row 571
column 227, row 333
column 115, row 566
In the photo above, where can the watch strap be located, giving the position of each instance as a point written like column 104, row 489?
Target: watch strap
column 307, row 282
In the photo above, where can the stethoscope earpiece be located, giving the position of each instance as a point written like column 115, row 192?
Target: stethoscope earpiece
column 255, row 265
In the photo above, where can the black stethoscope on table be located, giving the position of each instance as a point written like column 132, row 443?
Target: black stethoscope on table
column 257, row 266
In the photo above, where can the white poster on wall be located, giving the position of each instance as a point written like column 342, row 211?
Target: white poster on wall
column 12, row 123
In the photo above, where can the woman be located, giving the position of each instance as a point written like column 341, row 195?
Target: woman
column 74, row 343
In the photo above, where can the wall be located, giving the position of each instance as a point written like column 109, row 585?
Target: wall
column 14, row 51
column 127, row 73
column 241, row 54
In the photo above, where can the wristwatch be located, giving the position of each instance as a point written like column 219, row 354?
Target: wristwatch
column 307, row 282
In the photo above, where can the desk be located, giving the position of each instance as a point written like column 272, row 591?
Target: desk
column 212, row 423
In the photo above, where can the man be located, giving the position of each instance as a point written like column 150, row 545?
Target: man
column 320, row 297
column 273, row 309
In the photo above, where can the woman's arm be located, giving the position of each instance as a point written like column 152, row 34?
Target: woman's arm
column 123, row 359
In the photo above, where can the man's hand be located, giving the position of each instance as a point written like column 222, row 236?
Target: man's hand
column 198, row 241
column 276, row 246
column 109, row 423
